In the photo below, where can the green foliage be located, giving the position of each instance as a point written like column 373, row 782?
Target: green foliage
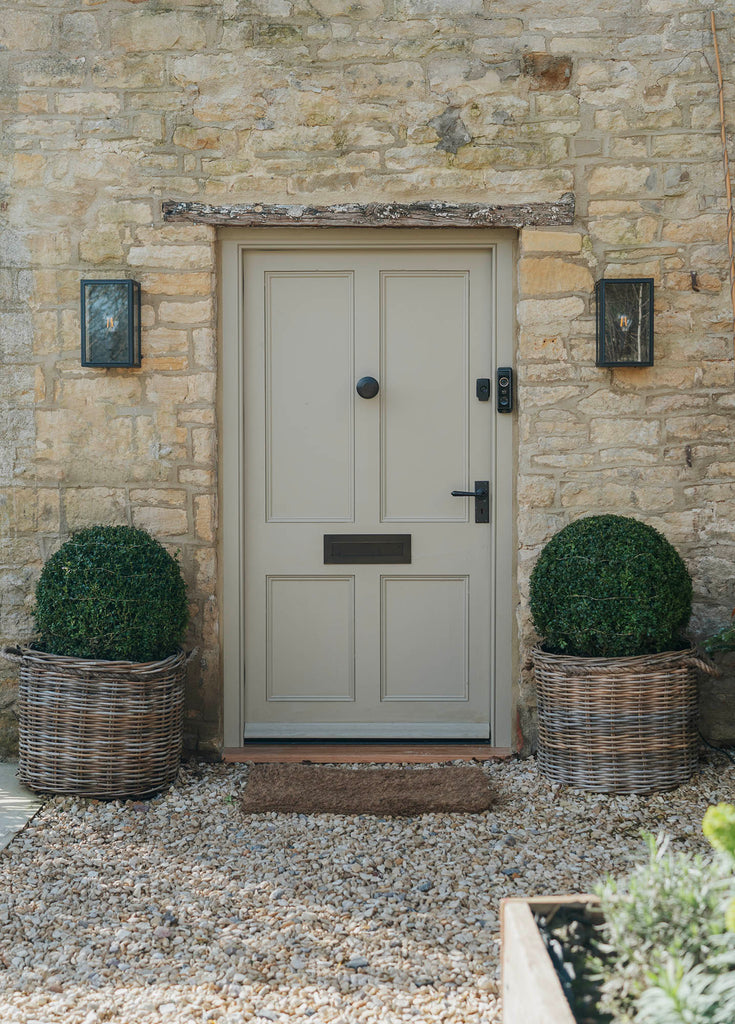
column 691, row 995
column 669, row 956
column 111, row 593
column 719, row 827
column 722, row 640
column 610, row 586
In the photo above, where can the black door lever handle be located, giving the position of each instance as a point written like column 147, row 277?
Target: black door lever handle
column 481, row 494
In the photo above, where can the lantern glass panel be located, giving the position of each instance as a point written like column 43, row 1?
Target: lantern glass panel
column 625, row 322
column 110, row 323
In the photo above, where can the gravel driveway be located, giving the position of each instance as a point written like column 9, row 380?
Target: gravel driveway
column 181, row 909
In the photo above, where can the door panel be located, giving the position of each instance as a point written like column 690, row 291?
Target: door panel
column 424, row 638
column 366, row 649
column 309, row 345
column 425, row 360
column 310, row 629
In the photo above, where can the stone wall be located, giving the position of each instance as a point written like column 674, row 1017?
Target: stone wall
column 112, row 107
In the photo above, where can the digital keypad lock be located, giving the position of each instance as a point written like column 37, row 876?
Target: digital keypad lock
column 504, row 388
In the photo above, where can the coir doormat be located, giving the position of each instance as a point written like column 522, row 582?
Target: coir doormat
column 314, row 789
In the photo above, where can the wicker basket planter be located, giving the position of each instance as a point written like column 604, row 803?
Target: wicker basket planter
column 618, row 725
column 99, row 728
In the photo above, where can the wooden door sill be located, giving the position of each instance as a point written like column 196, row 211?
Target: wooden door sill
column 361, row 752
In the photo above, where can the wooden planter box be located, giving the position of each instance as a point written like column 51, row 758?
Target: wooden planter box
column 531, row 990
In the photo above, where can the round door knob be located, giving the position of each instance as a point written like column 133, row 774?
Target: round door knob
column 367, row 387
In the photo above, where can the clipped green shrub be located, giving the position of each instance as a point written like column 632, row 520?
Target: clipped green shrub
column 610, row 586
column 111, row 593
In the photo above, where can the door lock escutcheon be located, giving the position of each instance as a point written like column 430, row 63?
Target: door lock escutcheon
column 481, row 494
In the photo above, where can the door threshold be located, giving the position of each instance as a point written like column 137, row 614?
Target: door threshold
column 360, row 752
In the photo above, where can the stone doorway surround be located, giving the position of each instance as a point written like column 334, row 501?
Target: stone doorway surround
column 549, row 215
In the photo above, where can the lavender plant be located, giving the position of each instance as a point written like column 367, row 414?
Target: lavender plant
column 670, row 934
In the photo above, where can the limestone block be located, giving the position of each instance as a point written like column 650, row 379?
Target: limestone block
column 201, row 311
column 79, row 32
column 25, row 30
column 550, row 276
column 547, row 72
column 551, row 312
column 625, row 231
column 203, row 445
column 205, row 138
column 36, row 509
column 16, row 336
column 196, row 477
column 536, row 492
column 171, row 233
column 101, row 245
column 205, row 569
column 698, row 427
column 29, row 169
column 538, row 397
column 627, row 457
column 161, row 521
column 533, row 344
column 607, row 402
column 379, row 82
column 96, row 391
column 204, row 517
column 142, row 31
column 189, row 283
column 616, row 180
column 173, row 497
column 428, row 8
column 619, row 430
column 88, row 103
column 90, row 506
column 707, row 227
column 547, row 240
column 196, row 414
column 158, row 341
column 535, row 528
column 171, row 257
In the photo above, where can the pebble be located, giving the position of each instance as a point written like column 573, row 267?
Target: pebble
column 183, row 909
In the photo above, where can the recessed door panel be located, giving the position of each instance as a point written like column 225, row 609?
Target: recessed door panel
column 425, row 367
column 309, row 341
column 310, row 632
column 424, row 626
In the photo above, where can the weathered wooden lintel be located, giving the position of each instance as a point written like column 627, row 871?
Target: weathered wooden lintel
column 378, row 215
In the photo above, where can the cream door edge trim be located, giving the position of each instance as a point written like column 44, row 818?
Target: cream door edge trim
column 234, row 242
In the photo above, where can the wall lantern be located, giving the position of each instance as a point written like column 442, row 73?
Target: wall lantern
column 110, row 323
column 625, row 322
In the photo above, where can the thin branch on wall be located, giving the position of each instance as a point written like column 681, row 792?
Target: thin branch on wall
column 726, row 165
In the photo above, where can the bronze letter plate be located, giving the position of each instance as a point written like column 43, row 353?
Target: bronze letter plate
column 364, row 548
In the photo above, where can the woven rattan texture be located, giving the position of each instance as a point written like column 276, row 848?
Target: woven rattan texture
column 620, row 725
column 104, row 729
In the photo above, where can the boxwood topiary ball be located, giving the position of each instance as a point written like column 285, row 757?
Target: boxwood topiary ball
column 610, row 586
column 111, row 593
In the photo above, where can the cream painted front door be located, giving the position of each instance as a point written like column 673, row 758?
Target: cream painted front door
column 367, row 583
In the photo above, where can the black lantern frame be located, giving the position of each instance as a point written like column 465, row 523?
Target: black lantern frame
column 624, row 321
column 110, row 323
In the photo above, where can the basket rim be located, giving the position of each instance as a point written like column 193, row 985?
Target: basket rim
column 688, row 650
column 30, row 653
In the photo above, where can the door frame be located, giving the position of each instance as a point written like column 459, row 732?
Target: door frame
column 234, row 243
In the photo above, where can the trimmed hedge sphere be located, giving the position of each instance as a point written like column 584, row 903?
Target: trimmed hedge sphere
column 111, row 593
column 610, row 586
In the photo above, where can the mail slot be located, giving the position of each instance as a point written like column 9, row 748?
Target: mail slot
column 365, row 548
